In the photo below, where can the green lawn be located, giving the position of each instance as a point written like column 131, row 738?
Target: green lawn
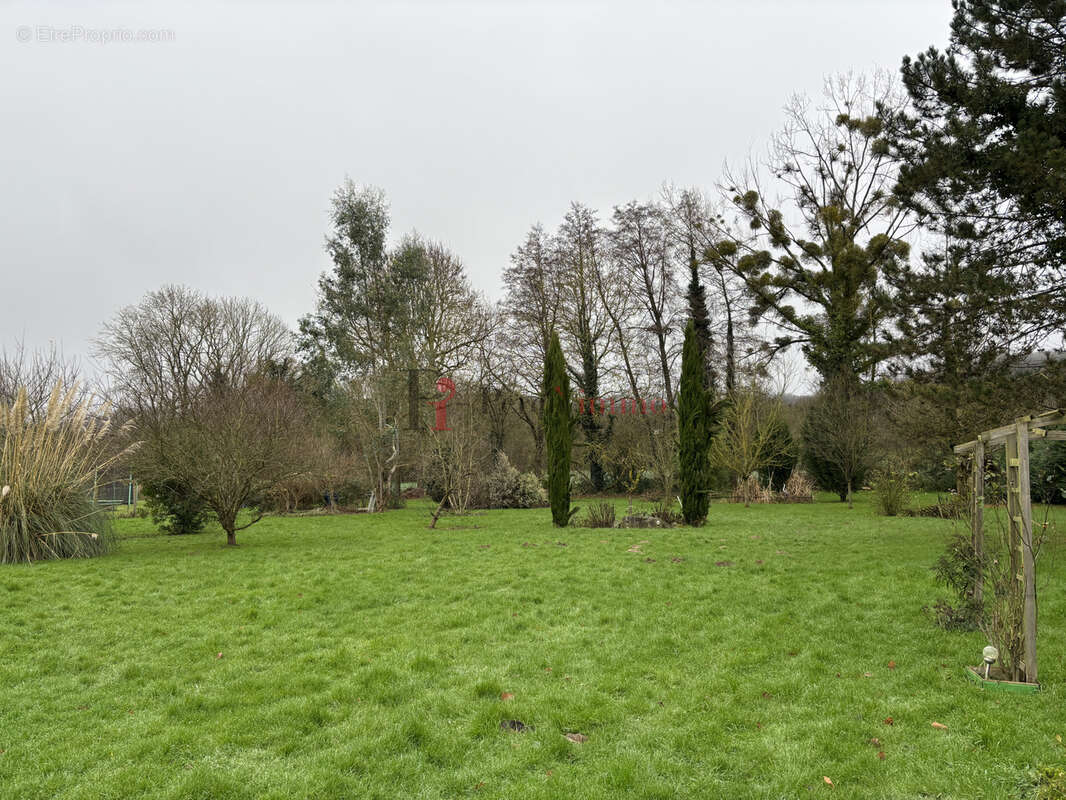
column 365, row 656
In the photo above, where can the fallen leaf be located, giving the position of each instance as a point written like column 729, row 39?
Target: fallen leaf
column 867, row 674
column 881, row 755
column 577, row 737
column 875, row 742
column 219, row 656
column 891, row 664
column 1058, row 738
column 723, row 563
column 888, row 720
column 940, row 726
column 515, row 725
column 506, row 696
column 828, row 782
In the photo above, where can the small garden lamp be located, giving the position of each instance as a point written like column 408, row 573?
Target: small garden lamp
column 990, row 654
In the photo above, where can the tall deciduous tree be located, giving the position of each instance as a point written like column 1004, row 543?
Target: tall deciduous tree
column 818, row 267
column 584, row 319
column 694, row 431
column 531, row 313
column 380, row 312
column 558, row 431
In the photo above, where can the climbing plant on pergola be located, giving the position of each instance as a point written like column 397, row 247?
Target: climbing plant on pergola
column 1015, row 438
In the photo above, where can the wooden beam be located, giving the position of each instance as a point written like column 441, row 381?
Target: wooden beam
column 999, row 435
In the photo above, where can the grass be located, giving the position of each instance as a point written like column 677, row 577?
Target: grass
column 365, row 656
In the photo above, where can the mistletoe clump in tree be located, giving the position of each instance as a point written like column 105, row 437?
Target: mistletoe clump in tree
column 558, row 426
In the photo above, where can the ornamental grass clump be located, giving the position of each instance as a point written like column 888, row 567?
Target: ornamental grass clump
column 47, row 467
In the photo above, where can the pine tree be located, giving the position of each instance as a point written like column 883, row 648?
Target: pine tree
column 984, row 138
column 558, row 432
column 694, row 429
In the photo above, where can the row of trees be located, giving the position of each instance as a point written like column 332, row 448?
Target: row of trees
column 685, row 299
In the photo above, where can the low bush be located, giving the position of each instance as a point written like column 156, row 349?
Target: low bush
column 600, row 515
column 949, row 506
column 893, row 488
column 174, row 508
column 1048, row 470
column 506, row 487
column 957, row 569
column 665, row 511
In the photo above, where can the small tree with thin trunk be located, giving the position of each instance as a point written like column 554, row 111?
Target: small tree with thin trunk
column 694, row 430
column 750, row 439
column 558, row 432
column 233, row 447
column 839, row 440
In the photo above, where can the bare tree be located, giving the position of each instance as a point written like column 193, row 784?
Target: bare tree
column 586, row 327
column 530, row 312
column 232, row 446
column 38, row 372
column 167, row 351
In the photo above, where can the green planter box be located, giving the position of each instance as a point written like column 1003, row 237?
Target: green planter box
column 1001, row 686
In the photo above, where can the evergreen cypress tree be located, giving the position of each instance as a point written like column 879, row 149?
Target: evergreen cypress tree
column 693, row 429
column 558, row 431
column 697, row 310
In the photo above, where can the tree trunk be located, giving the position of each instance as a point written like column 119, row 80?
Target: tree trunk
column 231, row 538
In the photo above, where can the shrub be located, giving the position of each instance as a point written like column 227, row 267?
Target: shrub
column 1048, row 469
column 957, row 568
column 505, row 487
column 174, row 508
column 893, row 488
column 950, row 506
column 665, row 512
column 47, row 467
column 600, row 515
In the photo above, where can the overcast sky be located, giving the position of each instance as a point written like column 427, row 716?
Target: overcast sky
column 208, row 158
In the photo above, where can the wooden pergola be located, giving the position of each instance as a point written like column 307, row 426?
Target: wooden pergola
column 1016, row 439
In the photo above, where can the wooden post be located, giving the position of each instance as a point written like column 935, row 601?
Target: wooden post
column 978, row 519
column 1028, row 556
column 1014, row 511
